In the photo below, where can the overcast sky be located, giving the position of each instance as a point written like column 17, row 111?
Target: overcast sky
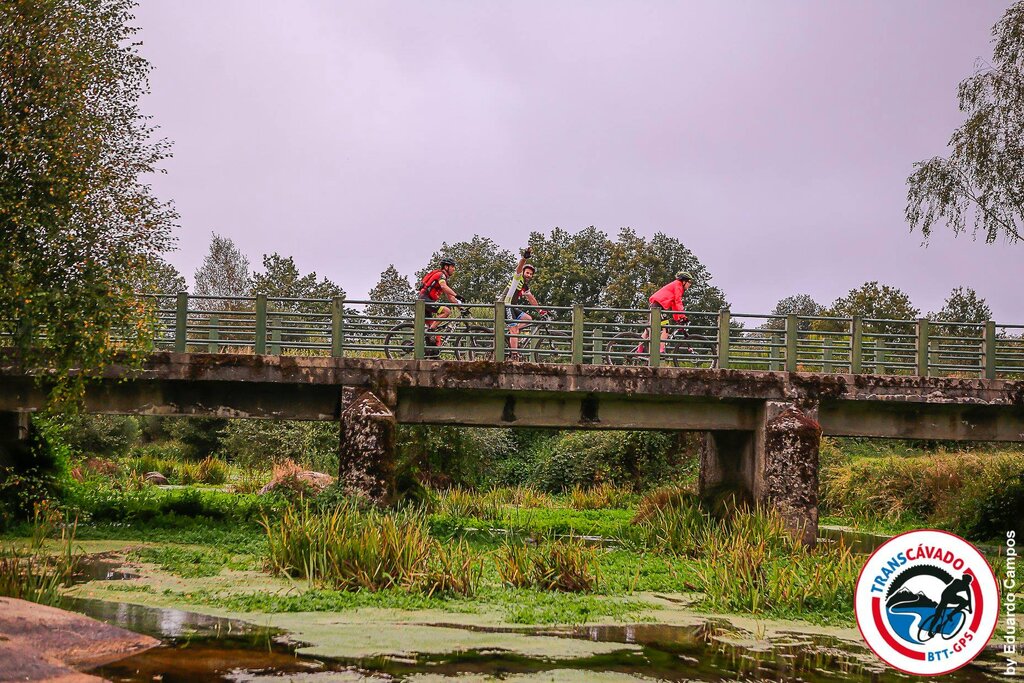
column 773, row 138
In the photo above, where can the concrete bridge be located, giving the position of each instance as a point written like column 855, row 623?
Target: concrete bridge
column 762, row 427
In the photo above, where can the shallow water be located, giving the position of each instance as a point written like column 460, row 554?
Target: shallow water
column 203, row 648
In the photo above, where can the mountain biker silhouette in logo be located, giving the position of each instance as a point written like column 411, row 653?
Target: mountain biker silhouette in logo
column 951, row 600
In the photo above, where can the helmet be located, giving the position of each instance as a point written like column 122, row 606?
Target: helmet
column 447, row 262
column 684, row 276
column 531, row 267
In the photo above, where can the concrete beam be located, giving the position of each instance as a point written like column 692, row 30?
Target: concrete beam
column 522, row 409
column 923, row 421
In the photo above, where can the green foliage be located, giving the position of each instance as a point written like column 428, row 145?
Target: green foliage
column 600, row 497
column 191, row 562
column 981, row 179
column 798, row 304
column 392, row 286
column 589, row 458
column 482, row 268
column 199, row 437
column 78, row 219
column 451, row 456
column 872, row 300
column 572, row 267
column 36, row 474
column 101, row 502
column 963, row 305
column 281, row 278
column 974, row 494
column 638, row 267
column 33, row 573
column 260, row 444
column 224, row 272
column 550, row 565
column 105, row 435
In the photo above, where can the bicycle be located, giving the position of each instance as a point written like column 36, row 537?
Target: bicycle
column 460, row 339
column 927, row 625
column 682, row 349
column 542, row 341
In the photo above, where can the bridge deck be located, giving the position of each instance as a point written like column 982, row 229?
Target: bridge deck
column 490, row 393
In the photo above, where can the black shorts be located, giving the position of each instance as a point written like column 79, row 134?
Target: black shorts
column 431, row 308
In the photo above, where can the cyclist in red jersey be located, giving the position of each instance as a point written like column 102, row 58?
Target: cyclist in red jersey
column 435, row 283
column 669, row 298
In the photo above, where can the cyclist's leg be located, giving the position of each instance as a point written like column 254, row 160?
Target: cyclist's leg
column 937, row 620
column 664, row 334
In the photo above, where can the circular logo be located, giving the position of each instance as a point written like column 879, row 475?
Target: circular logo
column 926, row 602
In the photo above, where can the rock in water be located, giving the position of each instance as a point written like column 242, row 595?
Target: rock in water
column 45, row 643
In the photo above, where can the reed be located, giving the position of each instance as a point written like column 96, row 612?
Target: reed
column 32, row 573
column 346, row 548
column 600, row 497
column 551, row 565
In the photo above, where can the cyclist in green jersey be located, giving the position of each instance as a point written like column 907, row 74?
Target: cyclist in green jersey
column 517, row 292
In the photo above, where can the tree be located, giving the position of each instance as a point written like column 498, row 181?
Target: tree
column 982, row 179
column 798, row 304
column 392, row 286
column 224, row 273
column 963, row 306
column 281, row 279
column 78, row 219
column 483, row 269
column 571, row 268
column 875, row 301
column 160, row 277
column 637, row 268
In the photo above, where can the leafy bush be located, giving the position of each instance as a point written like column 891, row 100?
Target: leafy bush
column 260, row 444
column 590, row 458
column 102, row 435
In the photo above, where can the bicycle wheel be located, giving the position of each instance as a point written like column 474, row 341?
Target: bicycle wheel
column 555, row 347
column 960, row 619
column 924, row 628
column 622, row 349
column 398, row 342
column 476, row 343
column 694, row 351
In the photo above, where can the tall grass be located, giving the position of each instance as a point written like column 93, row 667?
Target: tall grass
column 349, row 549
column 550, row 565
column 33, row 573
column 747, row 560
column 600, row 497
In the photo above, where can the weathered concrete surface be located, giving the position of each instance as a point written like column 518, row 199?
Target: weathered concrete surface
column 40, row 643
column 531, row 394
column 727, row 465
column 366, row 462
column 788, row 467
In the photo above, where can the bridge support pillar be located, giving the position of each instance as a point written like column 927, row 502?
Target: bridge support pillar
column 788, row 441
column 776, row 465
column 14, row 435
column 367, row 456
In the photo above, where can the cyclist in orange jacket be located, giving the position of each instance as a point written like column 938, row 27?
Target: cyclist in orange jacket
column 669, row 298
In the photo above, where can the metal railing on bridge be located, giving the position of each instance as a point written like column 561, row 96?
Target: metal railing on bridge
column 588, row 335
